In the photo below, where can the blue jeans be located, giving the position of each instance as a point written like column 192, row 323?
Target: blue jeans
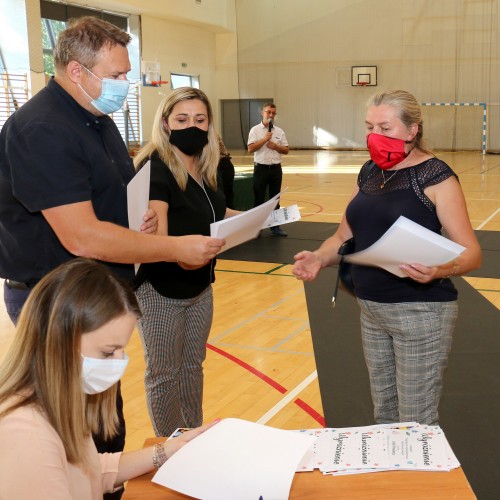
column 14, row 300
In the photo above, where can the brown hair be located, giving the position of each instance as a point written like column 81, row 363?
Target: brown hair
column 43, row 365
column 408, row 111
column 83, row 39
column 269, row 105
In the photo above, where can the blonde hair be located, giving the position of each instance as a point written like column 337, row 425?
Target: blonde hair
column 160, row 141
column 43, row 365
column 408, row 111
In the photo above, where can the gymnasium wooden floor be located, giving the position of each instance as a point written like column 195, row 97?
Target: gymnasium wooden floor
column 260, row 364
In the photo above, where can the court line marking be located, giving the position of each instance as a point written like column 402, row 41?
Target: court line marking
column 287, row 399
column 276, row 385
column 265, row 311
column 488, row 219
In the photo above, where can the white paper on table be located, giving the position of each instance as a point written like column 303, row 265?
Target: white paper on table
column 236, row 459
column 317, row 457
column 421, row 448
column 138, row 199
column 244, row 226
column 407, row 242
column 366, row 449
column 310, row 460
column 282, row 216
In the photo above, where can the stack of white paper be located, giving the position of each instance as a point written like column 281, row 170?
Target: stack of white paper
column 236, row 459
column 407, row 242
column 356, row 450
column 247, row 225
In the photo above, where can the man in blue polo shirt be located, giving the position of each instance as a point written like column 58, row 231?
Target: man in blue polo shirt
column 64, row 169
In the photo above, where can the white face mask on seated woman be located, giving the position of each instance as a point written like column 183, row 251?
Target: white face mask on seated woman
column 100, row 374
column 104, row 360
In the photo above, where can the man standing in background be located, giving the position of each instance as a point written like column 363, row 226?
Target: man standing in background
column 267, row 143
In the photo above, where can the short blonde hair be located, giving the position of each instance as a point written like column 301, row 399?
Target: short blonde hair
column 160, row 142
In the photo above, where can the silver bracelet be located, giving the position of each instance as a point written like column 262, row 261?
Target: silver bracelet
column 159, row 456
column 453, row 271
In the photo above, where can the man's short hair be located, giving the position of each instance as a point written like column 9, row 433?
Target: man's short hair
column 83, row 39
column 269, row 105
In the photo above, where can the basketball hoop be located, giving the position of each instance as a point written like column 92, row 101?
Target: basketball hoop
column 361, row 84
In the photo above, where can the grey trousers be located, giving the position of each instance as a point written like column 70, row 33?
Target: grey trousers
column 174, row 334
column 406, row 348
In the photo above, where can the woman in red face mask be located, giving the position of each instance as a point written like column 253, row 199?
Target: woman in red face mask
column 407, row 323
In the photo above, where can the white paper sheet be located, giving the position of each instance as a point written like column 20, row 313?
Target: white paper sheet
column 138, row 199
column 244, row 226
column 407, row 242
column 282, row 216
column 236, row 459
column 399, row 446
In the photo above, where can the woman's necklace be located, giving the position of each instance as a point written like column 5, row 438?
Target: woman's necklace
column 382, row 186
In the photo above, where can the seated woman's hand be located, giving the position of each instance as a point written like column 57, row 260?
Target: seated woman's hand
column 173, row 445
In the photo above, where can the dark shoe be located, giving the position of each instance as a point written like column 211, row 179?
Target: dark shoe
column 277, row 231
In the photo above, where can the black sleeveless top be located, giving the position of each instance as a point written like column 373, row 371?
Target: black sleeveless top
column 375, row 208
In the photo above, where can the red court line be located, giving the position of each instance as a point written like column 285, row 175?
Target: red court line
column 311, row 411
column 301, row 404
column 251, row 369
column 320, row 207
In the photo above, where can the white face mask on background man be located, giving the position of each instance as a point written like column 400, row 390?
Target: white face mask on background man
column 100, row 374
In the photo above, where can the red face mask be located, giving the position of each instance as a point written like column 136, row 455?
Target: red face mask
column 386, row 151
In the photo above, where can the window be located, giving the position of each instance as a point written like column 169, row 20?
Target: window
column 177, row 80
column 50, row 32
column 14, row 90
column 13, row 93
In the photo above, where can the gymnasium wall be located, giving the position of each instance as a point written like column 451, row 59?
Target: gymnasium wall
column 173, row 44
column 301, row 53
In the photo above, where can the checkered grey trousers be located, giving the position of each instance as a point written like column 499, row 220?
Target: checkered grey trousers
column 174, row 334
column 406, row 347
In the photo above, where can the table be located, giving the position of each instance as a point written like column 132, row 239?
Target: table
column 243, row 191
column 400, row 485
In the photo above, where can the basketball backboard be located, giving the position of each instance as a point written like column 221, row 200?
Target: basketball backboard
column 365, row 76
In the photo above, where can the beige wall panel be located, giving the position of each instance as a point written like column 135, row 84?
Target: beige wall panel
column 172, row 44
column 443, row 51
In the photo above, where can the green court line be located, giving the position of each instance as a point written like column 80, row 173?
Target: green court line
column 271, row 271
column 276, row 268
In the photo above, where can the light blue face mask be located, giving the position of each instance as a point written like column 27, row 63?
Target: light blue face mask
column 113, row 94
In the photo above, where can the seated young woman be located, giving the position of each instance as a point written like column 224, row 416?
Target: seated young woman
column 58, row 385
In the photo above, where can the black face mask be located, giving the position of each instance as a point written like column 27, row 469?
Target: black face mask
column 190, row 141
